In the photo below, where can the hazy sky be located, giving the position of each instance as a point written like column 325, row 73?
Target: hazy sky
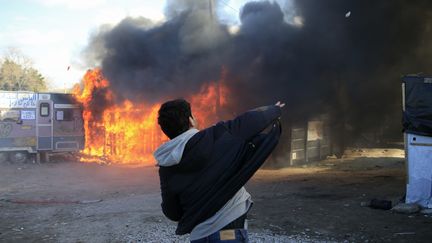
column 53, row 33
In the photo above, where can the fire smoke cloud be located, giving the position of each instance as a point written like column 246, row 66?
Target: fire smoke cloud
column 348, row 65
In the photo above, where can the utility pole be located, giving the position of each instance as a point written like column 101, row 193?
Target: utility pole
column 217, row 82
column 211, row 4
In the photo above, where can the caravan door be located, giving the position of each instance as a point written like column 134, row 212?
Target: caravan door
column 44, row 123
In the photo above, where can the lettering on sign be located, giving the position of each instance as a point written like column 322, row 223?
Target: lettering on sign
column 28, row 115
column 17, row 100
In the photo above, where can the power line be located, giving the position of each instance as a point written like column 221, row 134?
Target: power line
column 226, row 4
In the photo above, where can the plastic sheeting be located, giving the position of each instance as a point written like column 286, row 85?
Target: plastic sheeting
column 417, row 117
column 419, row 159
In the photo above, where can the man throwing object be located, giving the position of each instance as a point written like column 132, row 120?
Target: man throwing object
column 202, row 172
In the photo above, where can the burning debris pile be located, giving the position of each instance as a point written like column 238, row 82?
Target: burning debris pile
column 304, row 52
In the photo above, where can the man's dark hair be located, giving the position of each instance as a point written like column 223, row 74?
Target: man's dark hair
column 173, row 117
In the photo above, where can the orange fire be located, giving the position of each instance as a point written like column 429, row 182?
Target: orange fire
column 128, row 133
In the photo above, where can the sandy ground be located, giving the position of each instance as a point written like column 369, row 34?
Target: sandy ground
column 78, row 202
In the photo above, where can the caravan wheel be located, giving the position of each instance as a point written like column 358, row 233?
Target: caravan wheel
column 3, row 157
column 18, row 157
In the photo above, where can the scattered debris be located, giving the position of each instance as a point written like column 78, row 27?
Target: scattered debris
column 426, row 211
column 380, row 204
column 90, row 201
column 348, row 14
column 275, row 226
column 405, row 233
column 18, row 229
column 407, row 208
column 365, row 204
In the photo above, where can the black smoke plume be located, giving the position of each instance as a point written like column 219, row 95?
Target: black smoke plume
column 340, row 57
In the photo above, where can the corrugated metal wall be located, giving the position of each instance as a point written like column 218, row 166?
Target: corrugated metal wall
column 298, row 145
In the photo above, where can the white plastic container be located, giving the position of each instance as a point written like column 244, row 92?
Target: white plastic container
column 418, row 152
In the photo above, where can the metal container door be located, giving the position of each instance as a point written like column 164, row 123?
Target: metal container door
column 44, row 131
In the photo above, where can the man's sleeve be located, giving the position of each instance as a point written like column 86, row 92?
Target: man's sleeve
column 253, row 122
column 171, row 205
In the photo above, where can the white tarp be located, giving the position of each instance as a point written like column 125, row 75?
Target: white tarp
column 419, row 159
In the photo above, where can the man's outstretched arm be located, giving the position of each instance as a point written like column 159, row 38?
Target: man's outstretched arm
column 254, row 121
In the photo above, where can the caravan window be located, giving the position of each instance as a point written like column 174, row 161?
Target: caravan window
column 64, row 114
column 44, row 109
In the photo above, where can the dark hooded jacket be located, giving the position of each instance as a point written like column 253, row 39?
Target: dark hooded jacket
column 215, row 164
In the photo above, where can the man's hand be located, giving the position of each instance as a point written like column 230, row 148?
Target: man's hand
column 280, row 104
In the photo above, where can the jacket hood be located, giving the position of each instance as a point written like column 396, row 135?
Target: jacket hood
column 171, row 152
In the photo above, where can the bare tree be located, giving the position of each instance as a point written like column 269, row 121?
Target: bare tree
column 17, row 56
column 17, row 72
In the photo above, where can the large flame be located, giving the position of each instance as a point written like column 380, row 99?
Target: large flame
column 128, row 133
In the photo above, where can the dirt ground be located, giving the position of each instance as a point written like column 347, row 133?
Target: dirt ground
column 80, row 202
